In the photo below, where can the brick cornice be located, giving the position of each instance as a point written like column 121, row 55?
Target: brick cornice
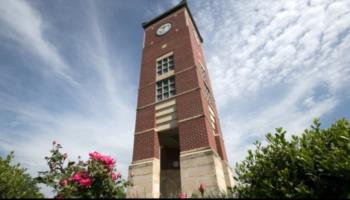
column 143, row 161
column 144, row 131
column 191, row 118
column 198, row 150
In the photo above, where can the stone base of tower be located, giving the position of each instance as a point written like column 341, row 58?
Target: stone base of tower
column 204, row 166
column 228, row 174
column 145, row 180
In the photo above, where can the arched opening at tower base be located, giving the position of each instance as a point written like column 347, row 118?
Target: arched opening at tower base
column 170, row 178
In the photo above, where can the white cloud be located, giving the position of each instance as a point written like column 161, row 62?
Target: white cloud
column 280, row 53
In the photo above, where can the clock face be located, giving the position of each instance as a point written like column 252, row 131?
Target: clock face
column 163, row 29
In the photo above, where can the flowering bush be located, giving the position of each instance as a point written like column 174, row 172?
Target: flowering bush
column 95, row 178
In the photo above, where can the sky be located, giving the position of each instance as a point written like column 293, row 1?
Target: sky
column 69, row 71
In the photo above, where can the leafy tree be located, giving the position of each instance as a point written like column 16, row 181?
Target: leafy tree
column 95, row 178
column 313, row 165
column 15, row 182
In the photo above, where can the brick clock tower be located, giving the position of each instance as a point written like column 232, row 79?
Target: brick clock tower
column 178, row 143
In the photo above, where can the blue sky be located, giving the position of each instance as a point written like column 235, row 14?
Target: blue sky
column 69, row 71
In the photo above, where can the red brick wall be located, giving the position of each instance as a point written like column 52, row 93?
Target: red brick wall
column 186, row 81
column 146, row 145
column 145, row 118
column 146, row 95
column 189, row 105
column 193, row 133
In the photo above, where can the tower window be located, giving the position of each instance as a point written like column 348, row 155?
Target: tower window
column 203, row 73
column 166, row 88
column 165, row 65
column 207, row 92
column 212, row 119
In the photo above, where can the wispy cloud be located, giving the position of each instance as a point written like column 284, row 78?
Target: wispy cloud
column 274, row 63
column 103, row 117
column 24, row 25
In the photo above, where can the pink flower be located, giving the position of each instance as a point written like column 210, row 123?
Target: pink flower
column 108, row 161
column 95, row 155
column 116, row 176
column 182, row 196
column 64, row 182
column 86, row 182
column 65, row 156
column 82, row 178
column 201, row 188
column 77, row 176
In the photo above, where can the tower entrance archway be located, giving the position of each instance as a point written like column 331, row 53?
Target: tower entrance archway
column 170, row 178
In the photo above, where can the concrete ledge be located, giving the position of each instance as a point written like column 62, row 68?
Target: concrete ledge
column 197, row 150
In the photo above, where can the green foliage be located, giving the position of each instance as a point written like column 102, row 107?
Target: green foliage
column 95, row 178
column 15, row 182
column 313, row 165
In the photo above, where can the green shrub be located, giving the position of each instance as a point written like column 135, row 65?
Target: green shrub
column 15, row 182
column 313, row 165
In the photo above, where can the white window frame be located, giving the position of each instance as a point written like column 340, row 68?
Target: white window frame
column 165, row 65
column 165, row 88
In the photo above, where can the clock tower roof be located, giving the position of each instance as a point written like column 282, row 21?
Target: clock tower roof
column 182, row 4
